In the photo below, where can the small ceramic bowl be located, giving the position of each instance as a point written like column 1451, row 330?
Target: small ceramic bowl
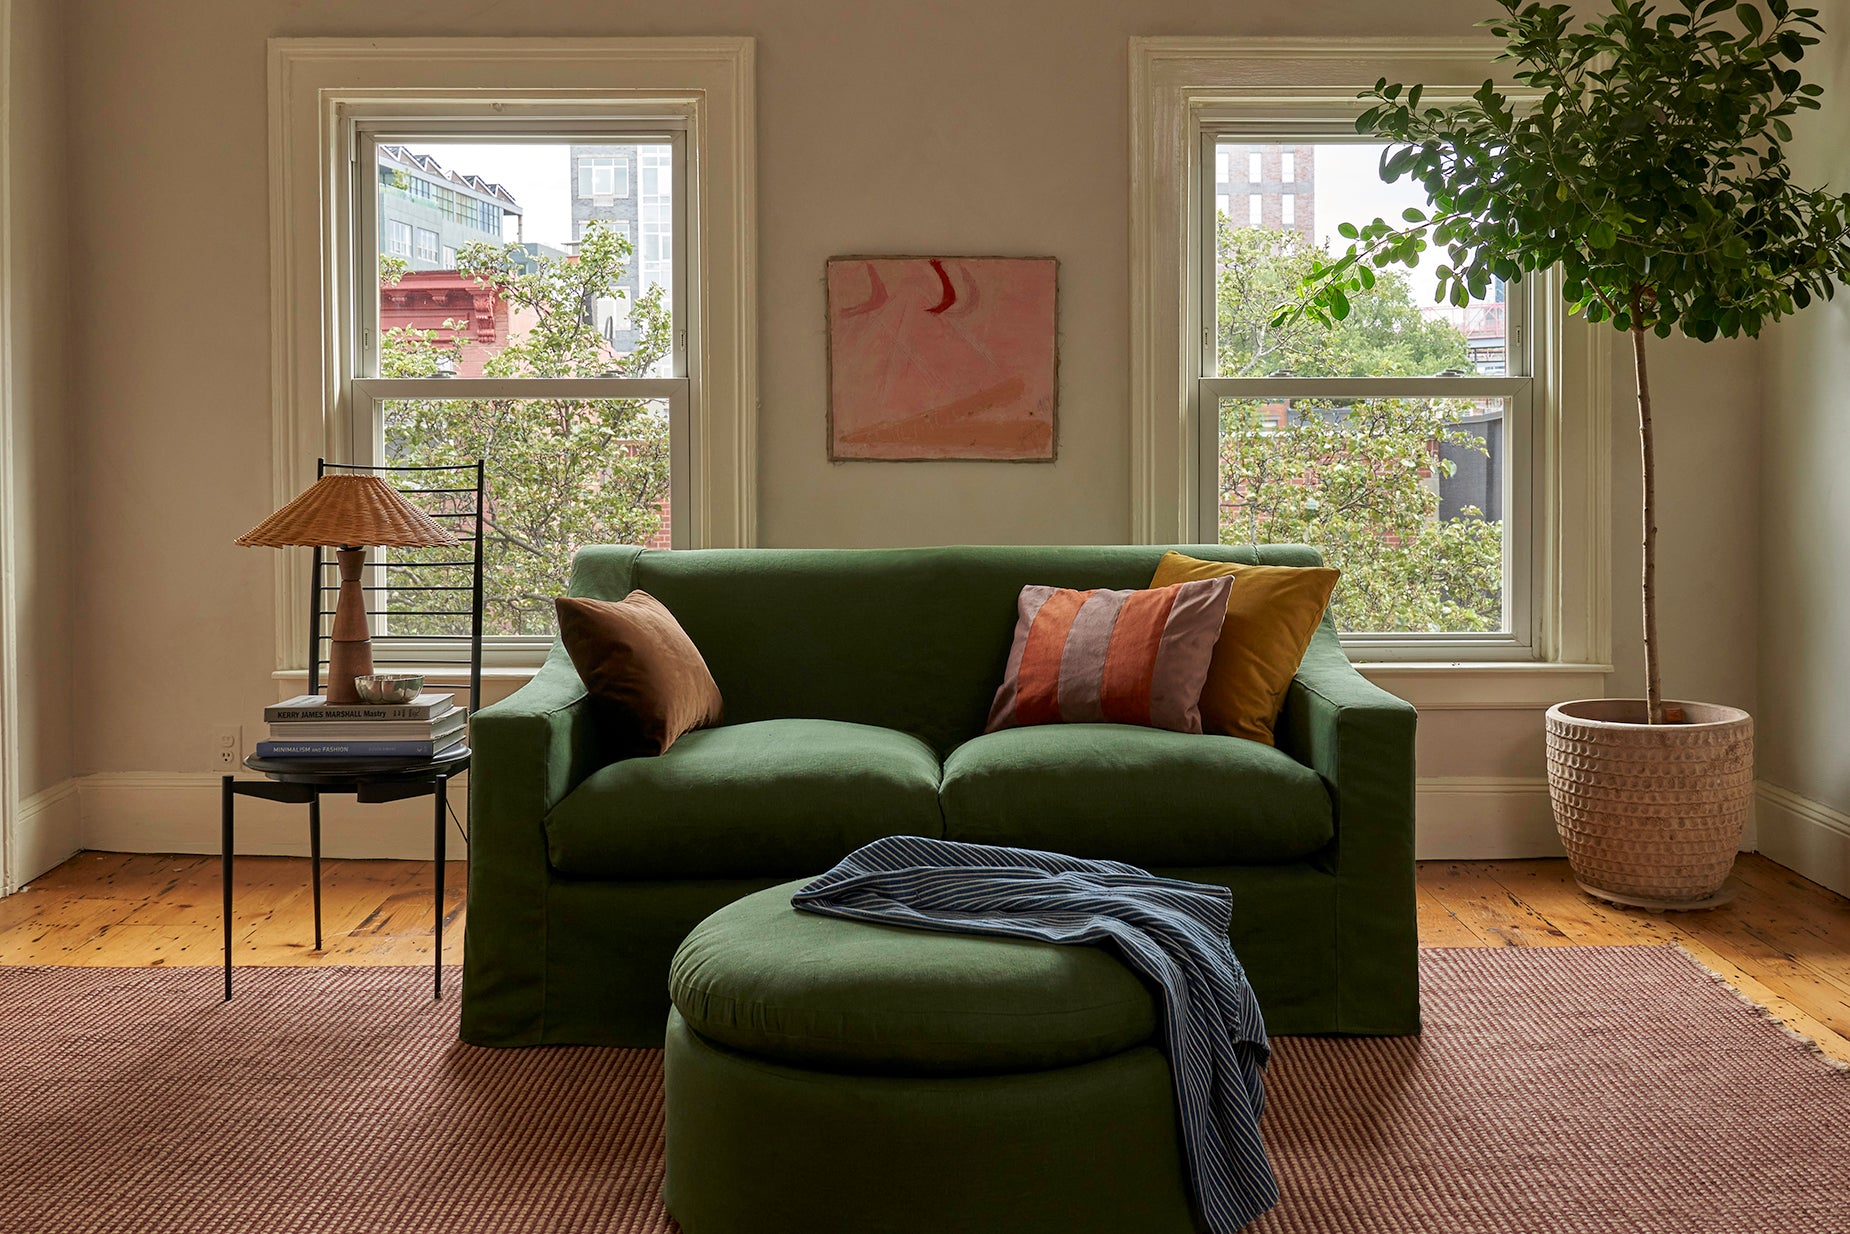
column 389, row 687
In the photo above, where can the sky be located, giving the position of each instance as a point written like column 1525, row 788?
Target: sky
column 1350, row 190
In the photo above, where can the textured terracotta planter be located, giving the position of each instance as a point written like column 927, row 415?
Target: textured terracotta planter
column 1651, row 814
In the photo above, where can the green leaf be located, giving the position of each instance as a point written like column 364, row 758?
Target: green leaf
column 1749, row 17
column 1412, row 215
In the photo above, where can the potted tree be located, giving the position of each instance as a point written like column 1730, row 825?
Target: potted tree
column 1646, row 162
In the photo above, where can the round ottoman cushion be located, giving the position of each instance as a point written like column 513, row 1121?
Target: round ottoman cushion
column 761, row 978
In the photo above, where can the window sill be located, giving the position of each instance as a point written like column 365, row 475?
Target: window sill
column 1473, row 686
column 1429, row 686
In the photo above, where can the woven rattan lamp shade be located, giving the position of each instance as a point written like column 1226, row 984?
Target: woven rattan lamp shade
column 355, row 510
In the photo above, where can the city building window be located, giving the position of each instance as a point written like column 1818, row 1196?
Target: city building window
column 1288, row 167
column 611, row 314
column 449, row 258
column 1255, row 210
column 1288, row 209
column 398, row 238
column 427, row 244
column 604, row 176
column 1255, row 171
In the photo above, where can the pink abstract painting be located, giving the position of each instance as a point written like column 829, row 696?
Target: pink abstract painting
column 942, row 358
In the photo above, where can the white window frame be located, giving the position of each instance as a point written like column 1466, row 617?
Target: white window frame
column 435, row 245
column 366, row 127
column 320, row 88
column 396, row 229
column 1182, row 88
column 1516, row 640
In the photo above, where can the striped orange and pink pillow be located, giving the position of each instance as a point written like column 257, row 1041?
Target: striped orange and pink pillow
column 1112, row 657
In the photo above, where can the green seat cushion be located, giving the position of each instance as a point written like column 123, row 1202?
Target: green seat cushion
column 772, row 799
column 763, row 979
column 1140, row 795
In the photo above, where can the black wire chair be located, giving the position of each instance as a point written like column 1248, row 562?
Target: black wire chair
column 414, row 622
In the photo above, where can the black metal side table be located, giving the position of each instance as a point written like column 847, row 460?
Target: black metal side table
column 371, row 780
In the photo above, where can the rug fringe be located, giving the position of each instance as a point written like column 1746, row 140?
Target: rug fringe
column 1766, row 1013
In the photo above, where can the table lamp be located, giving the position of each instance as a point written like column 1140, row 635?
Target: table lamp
column 349, row 513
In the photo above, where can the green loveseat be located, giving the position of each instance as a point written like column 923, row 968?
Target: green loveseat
column 856, row 686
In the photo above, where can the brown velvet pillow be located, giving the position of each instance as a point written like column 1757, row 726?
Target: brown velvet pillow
column 635, row 657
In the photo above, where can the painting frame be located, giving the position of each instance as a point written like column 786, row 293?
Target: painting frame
column 832, row 424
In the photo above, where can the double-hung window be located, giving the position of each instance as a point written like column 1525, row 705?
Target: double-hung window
column 1446, row 457
column 604, row 414
column 1393, row 440
column 531, row 349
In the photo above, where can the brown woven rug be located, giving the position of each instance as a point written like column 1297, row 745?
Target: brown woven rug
column 1564, row 1090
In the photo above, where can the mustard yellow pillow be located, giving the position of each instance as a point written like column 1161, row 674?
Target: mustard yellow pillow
column 1272, row 612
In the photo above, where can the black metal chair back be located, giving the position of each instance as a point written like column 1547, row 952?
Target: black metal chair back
column 432, row 594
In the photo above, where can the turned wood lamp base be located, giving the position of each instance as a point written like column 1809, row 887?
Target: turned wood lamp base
column 350, row 648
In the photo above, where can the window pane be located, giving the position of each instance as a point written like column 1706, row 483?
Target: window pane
column 561, row 474
column 1404, row 495
column 1392, row 330
column 515, row 245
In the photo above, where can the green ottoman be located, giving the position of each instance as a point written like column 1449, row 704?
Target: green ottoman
column 827, row 1075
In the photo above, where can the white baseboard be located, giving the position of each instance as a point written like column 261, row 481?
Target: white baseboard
column 47, row 829
column 178, row 812
column 1458, row 818
column 1483, row 818
column 1805, row 836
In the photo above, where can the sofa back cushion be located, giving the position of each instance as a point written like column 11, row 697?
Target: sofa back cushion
column 914, row 639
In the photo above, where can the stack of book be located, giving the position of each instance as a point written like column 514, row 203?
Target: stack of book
column 307, row 726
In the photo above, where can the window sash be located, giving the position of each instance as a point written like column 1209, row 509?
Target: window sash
column 507, row 650
column 670, row 216
column 1519, row 396
column 1517, row 387
column 367, row 392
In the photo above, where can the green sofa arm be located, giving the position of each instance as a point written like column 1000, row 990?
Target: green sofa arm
column 528, row 751
column 1359, row 738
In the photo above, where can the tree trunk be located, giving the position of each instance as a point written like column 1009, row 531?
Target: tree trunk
column 1653, row 684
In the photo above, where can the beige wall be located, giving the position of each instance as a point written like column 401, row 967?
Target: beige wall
column 1804, row 557
column 38, row 278
column 955, row 125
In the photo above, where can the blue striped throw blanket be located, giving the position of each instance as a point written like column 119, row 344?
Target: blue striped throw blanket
column 1172, row 932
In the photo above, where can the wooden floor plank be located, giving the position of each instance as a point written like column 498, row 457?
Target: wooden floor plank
column 1476, row 898
column 1441, row 927
column 1783, row 941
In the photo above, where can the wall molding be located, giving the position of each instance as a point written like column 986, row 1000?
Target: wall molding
column 1806, row 836
column 1459, row 818
column 47, row 830
column 178, row 812
column 1483, row 818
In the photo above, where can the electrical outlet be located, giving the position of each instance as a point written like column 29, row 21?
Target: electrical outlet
column 227, row 747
